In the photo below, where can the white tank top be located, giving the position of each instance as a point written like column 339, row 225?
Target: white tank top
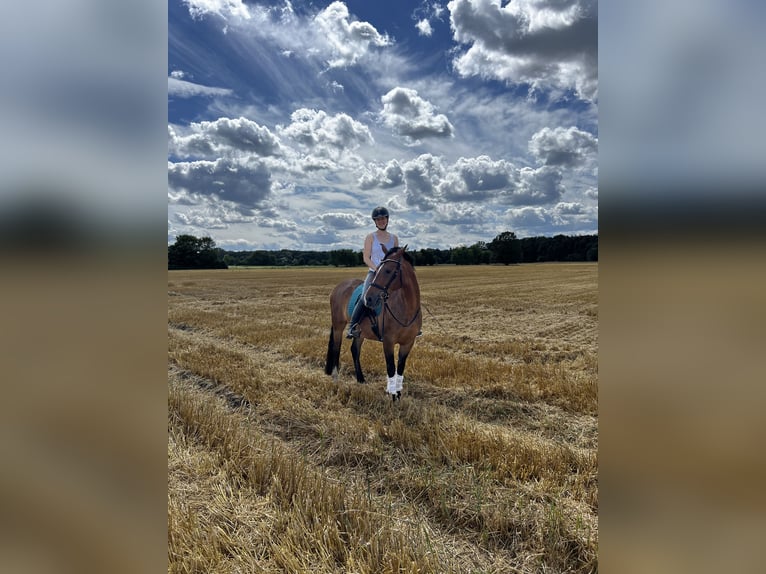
column 377, row 254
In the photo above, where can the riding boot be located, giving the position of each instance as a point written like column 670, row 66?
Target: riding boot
column 356, row 316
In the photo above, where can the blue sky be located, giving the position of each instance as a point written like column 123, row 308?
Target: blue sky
column 288, row 122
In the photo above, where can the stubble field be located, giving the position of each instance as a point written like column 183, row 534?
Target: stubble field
column 487, row 464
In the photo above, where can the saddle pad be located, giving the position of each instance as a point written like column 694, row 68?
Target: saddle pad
column 355, row 297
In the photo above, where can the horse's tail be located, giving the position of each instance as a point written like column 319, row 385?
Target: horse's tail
column 330, row 364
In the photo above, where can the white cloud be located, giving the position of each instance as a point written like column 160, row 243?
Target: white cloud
column 183, row 89
column 325, row 135
column 422, row 176
column 424, row 28
column 388, row 176
column 536, row 186
column 347, row 40
column 245, row 183
column 567, row 147
column 321, row 236
column 461, row 214
column 412, row 117
column 430, row 183
column 561, row 218
column 224, row 137
column 549, row 44
column 340, row 220
column 477, row 179
column 223, row 8
column 529, row 217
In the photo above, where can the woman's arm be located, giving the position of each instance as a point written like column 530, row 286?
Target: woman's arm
column 367, row 253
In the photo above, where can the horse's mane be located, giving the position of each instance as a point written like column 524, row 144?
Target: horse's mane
column 407, row 257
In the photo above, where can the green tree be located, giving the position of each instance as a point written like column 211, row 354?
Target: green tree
column 426, row 257
column 506, row 248
column 345, row 258
column 261, row 257
column 461, row 255
column 190, row 252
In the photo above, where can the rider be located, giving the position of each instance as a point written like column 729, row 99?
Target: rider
column 373, row 254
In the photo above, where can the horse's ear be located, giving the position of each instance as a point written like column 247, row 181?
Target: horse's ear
column 384, row 248
column 405, row 247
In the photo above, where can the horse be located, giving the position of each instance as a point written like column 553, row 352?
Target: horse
column 395, row 290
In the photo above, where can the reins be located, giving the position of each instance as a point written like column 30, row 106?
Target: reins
column 384, row 294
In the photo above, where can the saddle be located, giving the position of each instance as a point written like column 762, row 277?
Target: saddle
column 373, row 314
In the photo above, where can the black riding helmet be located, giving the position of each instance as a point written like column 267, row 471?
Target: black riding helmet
column 379, row 212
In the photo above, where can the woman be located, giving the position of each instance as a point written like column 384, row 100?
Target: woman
column 373, row 254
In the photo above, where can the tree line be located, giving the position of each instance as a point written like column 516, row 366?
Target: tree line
column 190, row 252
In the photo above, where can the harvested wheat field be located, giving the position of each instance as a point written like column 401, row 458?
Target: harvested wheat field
column 488, row 463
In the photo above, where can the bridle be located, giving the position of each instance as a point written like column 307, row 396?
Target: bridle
column 391, row 279
column 384, row 289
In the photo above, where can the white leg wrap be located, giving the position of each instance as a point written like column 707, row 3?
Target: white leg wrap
column 399, row 381
column 391, row 387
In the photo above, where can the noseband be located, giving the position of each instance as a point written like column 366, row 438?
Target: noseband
column 384, row 288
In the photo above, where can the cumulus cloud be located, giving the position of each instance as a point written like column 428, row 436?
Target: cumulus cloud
column 560, row 218
column 386, row 177
column 325, row 135
column 536, row 186
column 476, row 179
column 215, row 215
column 545, row 43
column 529, row 217
column 340, row 220
column 422, row 177
column 412, row 117
column 184, row 89
column 429, row 182
column 348, row 40
column 566, row 147
column 245, row 183
column 461, row 214
column 223, row 137
column 424, row 28
column 322, row 236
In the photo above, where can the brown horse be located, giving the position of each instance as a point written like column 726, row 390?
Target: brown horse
column 395, row 288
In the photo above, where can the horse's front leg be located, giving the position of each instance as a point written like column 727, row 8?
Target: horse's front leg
column 356, row 351
column 388, row 352
column 404, row 351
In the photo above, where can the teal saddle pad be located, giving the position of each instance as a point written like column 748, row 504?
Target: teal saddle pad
column 355, row 297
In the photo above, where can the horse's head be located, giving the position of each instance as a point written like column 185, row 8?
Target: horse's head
column 388, row 275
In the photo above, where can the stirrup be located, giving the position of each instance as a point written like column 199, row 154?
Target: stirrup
column 353, row 331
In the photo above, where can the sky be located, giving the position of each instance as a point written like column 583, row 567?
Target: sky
column 288, row 122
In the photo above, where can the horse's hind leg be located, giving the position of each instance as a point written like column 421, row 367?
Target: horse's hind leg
column 333, row 354
column 356, row 352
